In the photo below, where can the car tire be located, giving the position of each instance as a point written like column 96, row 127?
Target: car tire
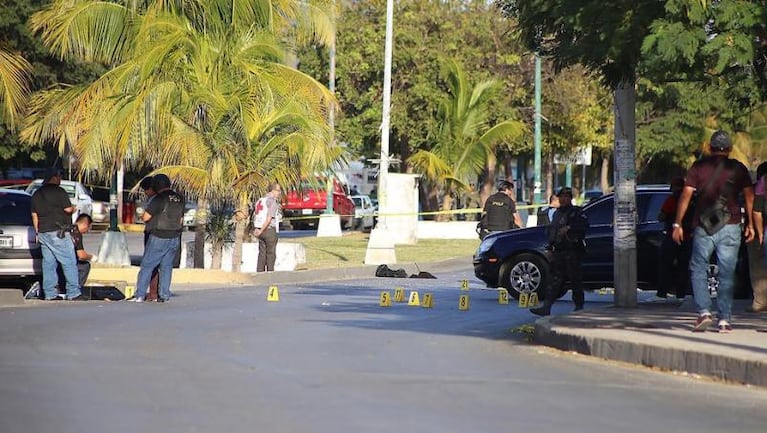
column 525, row 272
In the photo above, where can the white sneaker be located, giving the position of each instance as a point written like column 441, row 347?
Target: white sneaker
column 136, row 299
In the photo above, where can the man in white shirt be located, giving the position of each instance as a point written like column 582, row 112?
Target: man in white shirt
column 266, row 221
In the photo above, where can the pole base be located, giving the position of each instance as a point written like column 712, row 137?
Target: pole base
column 114, row 249
column 380, row 249
column 329, row 226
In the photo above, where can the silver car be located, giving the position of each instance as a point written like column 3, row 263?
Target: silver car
column 79, row 195
column 20, row 254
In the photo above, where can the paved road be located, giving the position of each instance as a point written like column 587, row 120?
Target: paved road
column 327, row 359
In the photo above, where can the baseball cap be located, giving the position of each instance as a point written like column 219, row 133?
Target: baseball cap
column 565, row 190
column 505, row 184
column 720, row 141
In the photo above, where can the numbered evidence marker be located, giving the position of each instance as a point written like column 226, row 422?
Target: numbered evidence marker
column 399, row 294
column 414, row 299
column 533, row 300
column 428, row 301
column 130, row 291
column 503, row 296
column 524, row 299
column 464, row 284
column 385, row 300
column 463, row 302
column 273, row 295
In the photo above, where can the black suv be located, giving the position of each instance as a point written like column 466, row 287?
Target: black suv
column 518, row 261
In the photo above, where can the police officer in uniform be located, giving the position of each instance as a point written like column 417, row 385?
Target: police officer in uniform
column 566, row 235
column 500, row 211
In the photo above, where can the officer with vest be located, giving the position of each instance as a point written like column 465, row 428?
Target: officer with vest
column 566, row 235
column 500, row 211
column 163, row 217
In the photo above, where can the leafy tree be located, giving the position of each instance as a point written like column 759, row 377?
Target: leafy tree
column 464, row 139
column 659, row 39
column 197, row 89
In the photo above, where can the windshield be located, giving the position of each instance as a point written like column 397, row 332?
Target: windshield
column 357, row 201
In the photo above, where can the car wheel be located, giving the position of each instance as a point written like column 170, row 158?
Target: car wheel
column 525, row 272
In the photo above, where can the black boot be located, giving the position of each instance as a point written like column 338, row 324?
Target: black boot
column 543, row 310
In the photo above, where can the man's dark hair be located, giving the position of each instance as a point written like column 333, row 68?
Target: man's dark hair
column 160, row 181
column 50, row 174
column 761, row 170
column 720, row 141
column 565, row 190
column 504, row 185
column 84, row 216
column 146, row 182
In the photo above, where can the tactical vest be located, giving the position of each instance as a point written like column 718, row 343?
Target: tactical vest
column 499, row 216
column 173, row 211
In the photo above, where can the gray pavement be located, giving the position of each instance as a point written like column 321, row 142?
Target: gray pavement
column 652, row 334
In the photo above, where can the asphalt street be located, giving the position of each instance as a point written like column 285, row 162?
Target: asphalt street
column 327, row 358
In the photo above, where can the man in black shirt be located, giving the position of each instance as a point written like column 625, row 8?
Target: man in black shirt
column 163, row 217
column 52, row 217
column 500, row 211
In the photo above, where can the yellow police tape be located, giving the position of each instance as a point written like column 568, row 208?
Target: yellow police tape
column 439, row 212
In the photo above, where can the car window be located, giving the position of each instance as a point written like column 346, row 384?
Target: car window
column 15, row 210
column 649, row 204
column 600, row 213
column 357, row 201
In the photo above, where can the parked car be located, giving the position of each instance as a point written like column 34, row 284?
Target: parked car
column 79, row 195
column 518, row 260
column 20, row 254
column 364, row 212
column 100, row 213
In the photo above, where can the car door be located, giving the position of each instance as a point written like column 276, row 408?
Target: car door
column 598, row 260
column 649, row 234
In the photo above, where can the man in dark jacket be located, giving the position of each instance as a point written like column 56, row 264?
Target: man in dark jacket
column 566, row 235
column 500, row 211
column 163, row 217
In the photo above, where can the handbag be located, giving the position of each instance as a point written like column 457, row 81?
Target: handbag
column 714, row 218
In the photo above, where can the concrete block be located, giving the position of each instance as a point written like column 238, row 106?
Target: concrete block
column 289, row 256
column 329, row 226
column 10, row 297
column 380, row 249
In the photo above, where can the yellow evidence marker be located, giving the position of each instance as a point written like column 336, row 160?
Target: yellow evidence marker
column 503, row 296
column 399, row 294
column 273, row 295
column 463, row 302
column 533, row 300
column 385, row 300
column 414, row 299
column 464, row 284
column 129, row 291
column 428, row 301
column 524, row 299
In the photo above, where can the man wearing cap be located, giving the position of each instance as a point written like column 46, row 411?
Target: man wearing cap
column 52, row 218
column 163, row 217
column 566, row 235
column 500, row 211
column 149, row 193
column 718, row 182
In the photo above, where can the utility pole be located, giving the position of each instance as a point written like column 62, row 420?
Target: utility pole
column 537, row 137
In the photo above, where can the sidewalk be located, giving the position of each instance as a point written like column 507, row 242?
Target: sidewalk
column 659, row 335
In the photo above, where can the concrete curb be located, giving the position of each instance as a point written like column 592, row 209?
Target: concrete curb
column 739, row 366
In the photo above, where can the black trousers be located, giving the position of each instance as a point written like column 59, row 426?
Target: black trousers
column 566, row 266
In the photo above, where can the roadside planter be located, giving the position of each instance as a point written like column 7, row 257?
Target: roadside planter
column 289, row 256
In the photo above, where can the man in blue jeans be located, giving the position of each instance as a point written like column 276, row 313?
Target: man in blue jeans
column 52, row 219
column 719, row 182
column 163, row 217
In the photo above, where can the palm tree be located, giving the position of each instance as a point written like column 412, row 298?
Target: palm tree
column 199, row 89
column 465, row 139
column 14, row 87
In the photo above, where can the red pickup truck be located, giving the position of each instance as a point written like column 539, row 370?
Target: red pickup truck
column 303, row 207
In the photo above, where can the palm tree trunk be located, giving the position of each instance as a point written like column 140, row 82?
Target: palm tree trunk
column 604, row 179
column 216, row 255
column 240, row 225
column 447, row 204
column 199, row 233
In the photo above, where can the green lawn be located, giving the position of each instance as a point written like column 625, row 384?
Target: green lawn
column 349, row 250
